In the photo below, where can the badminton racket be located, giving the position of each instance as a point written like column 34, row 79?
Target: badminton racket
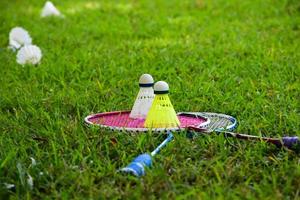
column 290, row 142
column 120, row 121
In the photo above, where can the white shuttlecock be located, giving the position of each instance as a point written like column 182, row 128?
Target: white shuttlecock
column 50, row 10
column 19, row 37
column 29, row 54
column 144, row 98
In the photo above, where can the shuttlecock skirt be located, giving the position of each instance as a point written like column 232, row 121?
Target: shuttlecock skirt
column 29, row 54
column 142, row 103
column 161, row 113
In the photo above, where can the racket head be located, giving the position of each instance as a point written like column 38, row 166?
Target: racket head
column 218, row 121
column 120, row 121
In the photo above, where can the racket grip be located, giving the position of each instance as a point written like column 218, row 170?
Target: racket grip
column 137, row 166
column 290, row 142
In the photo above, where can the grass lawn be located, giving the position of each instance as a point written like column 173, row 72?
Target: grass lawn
column 241, row 58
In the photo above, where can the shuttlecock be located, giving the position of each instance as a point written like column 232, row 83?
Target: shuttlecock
column 29, row 54
column 161, row 113
column 144, row 98
column 49, row 10
column 19, row 37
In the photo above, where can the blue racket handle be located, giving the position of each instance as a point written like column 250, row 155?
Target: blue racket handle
column 290, row 142
column 137, row 166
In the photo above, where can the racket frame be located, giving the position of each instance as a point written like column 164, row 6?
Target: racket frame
column 88, row 121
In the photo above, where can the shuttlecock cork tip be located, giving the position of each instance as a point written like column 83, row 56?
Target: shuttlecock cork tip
column 161, row 87
column 146, row 80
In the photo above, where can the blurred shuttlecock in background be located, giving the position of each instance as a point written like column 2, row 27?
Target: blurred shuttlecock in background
column 29, row 54
column 161, row 113
column 19, row 37
column 144, row 98
column 50, row 10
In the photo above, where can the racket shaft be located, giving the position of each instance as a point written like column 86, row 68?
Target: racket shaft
column 289, row 142
column 163, row 144
column 275, row 141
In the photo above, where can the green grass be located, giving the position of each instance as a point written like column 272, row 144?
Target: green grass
column 236, row 57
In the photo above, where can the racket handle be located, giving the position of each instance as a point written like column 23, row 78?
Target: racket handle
column 291, row 142
column 137, row 166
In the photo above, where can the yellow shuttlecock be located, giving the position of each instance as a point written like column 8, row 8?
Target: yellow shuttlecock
column 161, row 113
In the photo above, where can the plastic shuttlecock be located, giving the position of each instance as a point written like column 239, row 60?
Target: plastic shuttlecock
column 144, row 98
column 137, row 166
column 29, row 54
column 19, row 37
column 50, row 10
column 161, row 113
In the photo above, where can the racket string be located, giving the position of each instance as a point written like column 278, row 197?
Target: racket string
column 218, row 122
